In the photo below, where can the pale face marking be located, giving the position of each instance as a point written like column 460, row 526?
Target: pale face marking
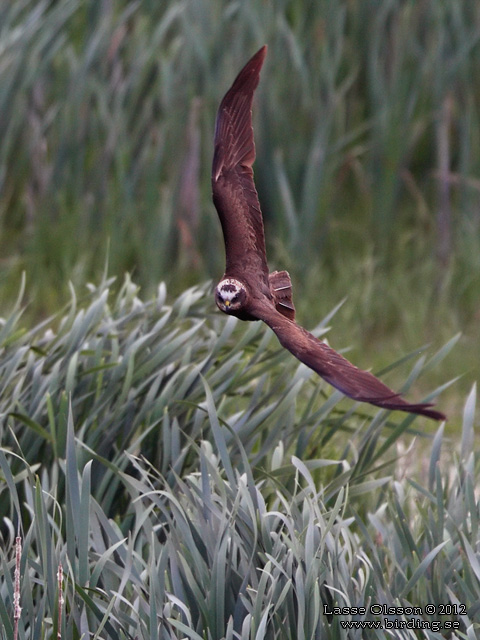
column 228, row 294
column 228, row 290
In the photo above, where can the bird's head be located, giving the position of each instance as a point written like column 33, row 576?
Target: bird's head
column 230, row 295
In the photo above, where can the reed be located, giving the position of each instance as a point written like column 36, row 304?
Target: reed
column 169, row 473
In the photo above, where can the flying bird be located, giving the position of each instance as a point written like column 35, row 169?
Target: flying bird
column 248, row 290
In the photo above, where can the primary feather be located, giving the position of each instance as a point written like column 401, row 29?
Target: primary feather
column 234, row 192
column 355, row 383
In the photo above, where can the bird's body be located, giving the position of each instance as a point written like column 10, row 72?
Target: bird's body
column 248, row 290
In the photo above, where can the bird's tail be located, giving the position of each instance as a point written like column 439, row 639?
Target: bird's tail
column 281, row 288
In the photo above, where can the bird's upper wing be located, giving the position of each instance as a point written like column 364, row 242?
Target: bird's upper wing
column 234, row 192
column 334, row 368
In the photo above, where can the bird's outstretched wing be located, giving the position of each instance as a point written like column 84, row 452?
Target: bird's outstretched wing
column 334, row 368
column 234, row 192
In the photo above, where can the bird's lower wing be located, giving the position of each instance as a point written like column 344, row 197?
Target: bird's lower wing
column 337, row 370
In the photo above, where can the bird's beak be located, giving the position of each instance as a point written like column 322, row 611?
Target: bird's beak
column 227, row 303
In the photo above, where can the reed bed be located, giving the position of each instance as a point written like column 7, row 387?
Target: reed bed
column 169, row 473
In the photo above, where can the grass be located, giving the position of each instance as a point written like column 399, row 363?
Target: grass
column 106, row 139
column 106, row 92
column 193, row 480
column 190, row 478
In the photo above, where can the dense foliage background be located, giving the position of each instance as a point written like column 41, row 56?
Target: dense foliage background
column 191, row 478
column 368, row 140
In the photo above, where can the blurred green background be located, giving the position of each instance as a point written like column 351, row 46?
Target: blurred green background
column 367, row 125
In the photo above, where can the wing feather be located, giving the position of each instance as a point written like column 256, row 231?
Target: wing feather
column 234, row 192
column 337, row 370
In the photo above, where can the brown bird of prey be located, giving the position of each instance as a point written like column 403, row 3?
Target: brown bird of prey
column 248, row 290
